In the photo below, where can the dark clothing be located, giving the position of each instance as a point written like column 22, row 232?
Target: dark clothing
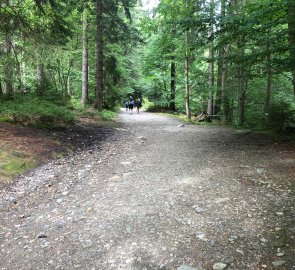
column 126, row 104
column 138, row 104
column 131, row 104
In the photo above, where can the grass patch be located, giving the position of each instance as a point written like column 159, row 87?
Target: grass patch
column 34, row 111
column 13, row 163
column 91, row 113
column 107, row 115
column 179, row 116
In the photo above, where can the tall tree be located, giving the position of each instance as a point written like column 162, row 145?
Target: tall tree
column 291, row 33
column 84, row 98
column 8, row 65
column 211, row 60
column 99, row 56
column 173, row 73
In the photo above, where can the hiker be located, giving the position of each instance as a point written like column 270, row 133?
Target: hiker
column 138, row 104
column 131, row 104
column 126, row 105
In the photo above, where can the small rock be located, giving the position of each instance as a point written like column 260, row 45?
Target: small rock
column 59, row 200
column 221, row 200
column 233, row 238
column 125, row 163
column 240, row 251
column 279, row 213
column 278, row 263
column 219, row 266
column 187, row 267
column 65, row 193
column 42, row 235
column 181, row 125
column 199, row 210
column 264, row 266
column 263, row 240
column 115, row 178
column 202, row 237
column 13, row 200
column 280, row 254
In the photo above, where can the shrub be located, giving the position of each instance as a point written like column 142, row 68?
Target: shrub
column 32, row 110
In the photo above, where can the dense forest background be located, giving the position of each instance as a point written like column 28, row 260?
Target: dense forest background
column 234, row 59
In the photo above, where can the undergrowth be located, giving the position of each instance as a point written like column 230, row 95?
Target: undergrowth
column 35, row 111
column 13, row 163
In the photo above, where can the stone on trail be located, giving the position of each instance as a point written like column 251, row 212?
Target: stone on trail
column 59, row 200
column 181, row 125
column 198, row 210
column 263, row 240
column 188, row 267
column 221, row 200
column 278, row 263
column 202, row 237
column 125, row 163
column 219, row 266
column 279, row 213
column 42, row 235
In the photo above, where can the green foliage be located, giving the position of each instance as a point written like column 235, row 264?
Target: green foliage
column 107, row 115
column 33, row 110
column 282, row 111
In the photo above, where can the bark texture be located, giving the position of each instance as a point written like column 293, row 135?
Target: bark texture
column 187, row 90
column 84, row 98
column 211, row 63
column 99, row 57
column 291, row 33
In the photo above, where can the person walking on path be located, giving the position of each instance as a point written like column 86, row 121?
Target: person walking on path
column 131, row 104
column 126, row 103
column 138, row 104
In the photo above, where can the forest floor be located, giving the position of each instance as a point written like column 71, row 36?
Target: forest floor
column 152, row 193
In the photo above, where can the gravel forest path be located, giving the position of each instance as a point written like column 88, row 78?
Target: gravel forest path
column 155, row 195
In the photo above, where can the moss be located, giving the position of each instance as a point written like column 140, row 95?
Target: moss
column 14, row 163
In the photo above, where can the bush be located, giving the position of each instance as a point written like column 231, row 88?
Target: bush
column 32, row 110
column 107, row 115
column 282, row 111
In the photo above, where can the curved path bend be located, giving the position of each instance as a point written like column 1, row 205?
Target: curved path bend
column 155, row 195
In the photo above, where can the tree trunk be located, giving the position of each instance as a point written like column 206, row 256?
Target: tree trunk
column 239, row 5
column 291, row 33
column 41, row 79
column 269, row 84
column 1, row 89
column 220, row 64
column 211, row 82
column 173, row 74
column 227, row 111
column 8, row 66
column 187, row 90
column 69, row 89
column 211, row 62
column 99, row 57
column 241, row 85
column 172, row 83
column 84, row 98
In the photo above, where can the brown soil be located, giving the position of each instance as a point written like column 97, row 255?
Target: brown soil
column 34, row 141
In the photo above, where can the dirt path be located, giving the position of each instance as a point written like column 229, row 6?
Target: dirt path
column 155, row 195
